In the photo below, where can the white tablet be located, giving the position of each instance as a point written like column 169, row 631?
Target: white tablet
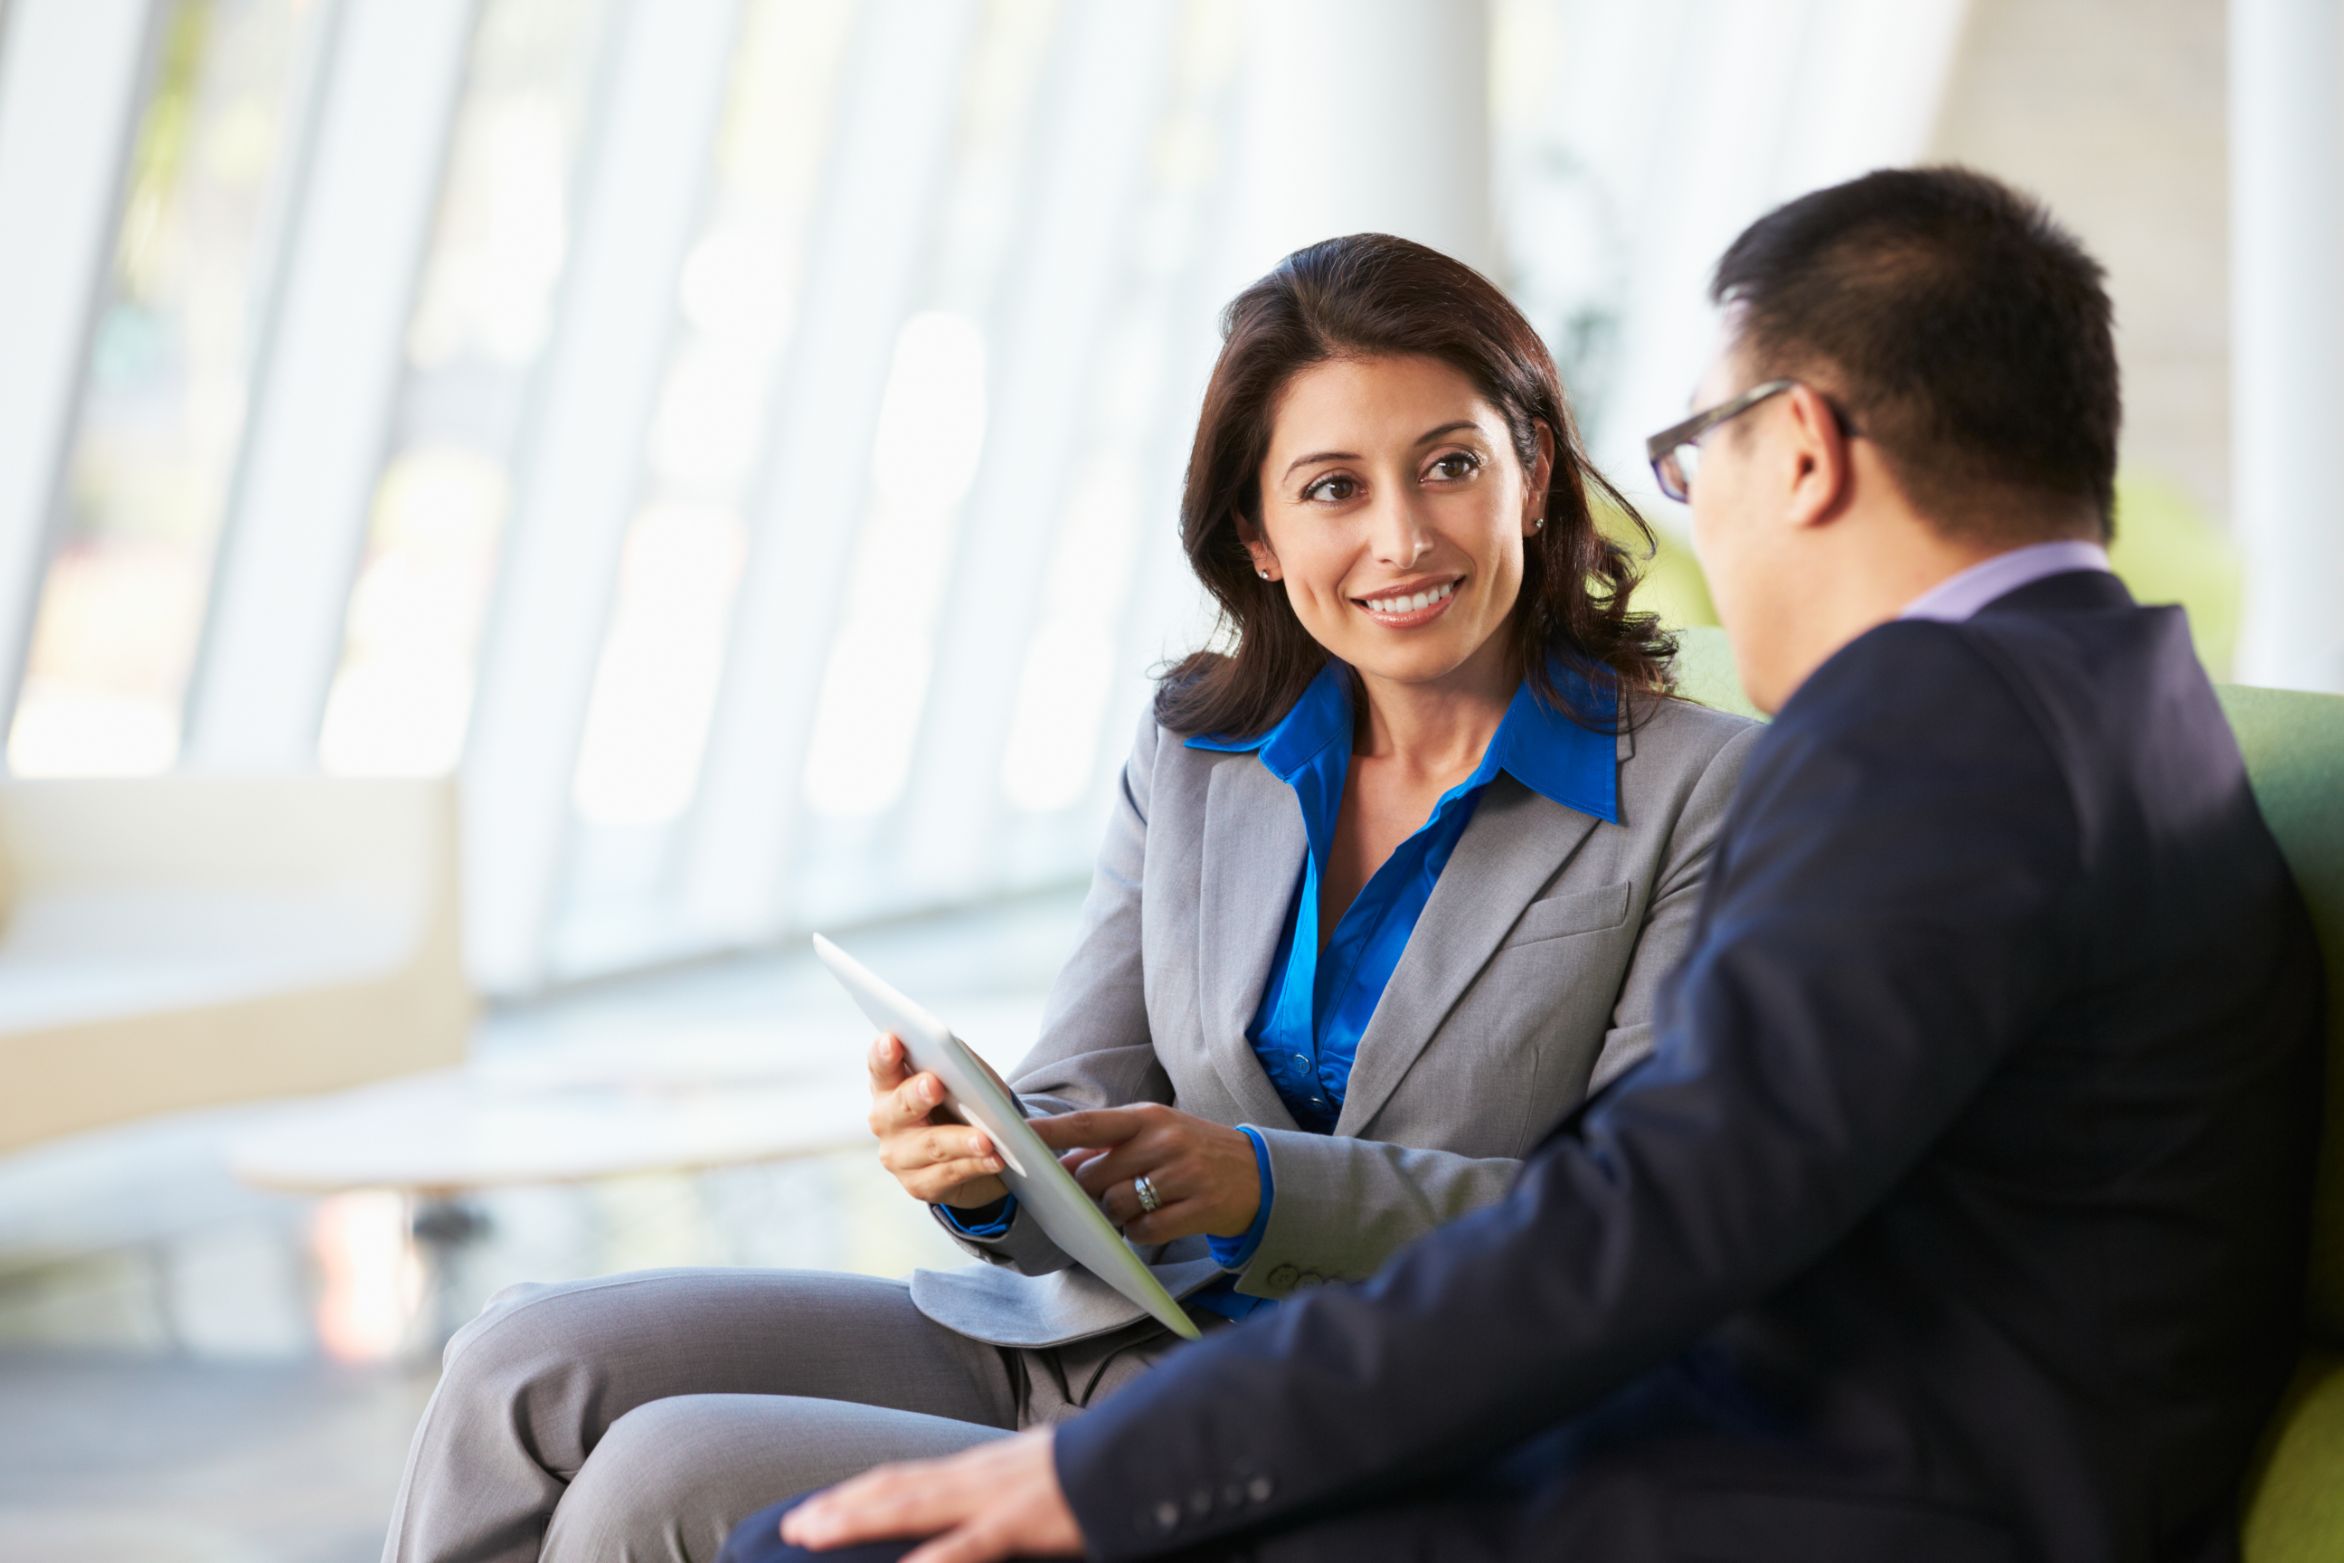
column 1046, row 1192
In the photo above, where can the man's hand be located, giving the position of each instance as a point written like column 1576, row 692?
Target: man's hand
column 1203, row 1172
column 998, row 1500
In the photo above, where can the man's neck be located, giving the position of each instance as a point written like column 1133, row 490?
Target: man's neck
column 1893, row 584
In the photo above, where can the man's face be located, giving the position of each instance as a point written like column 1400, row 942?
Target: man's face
column 1733, row 532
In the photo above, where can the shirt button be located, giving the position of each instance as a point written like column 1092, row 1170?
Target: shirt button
column 1260, row 1488
column 1167, row 1516
column 1200, row 1503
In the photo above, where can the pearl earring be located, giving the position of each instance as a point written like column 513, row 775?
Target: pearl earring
column 1264, row 574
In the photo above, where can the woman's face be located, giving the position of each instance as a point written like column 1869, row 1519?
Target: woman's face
column 1394, row 510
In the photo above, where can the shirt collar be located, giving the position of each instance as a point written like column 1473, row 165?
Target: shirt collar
column 1957, row 597
column 1317, row 719
column 1538, row 745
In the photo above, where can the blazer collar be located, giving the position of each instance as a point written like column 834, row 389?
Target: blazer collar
column 2071, row 591
column 1516, row 842
column 1546, row 749
column 1254, row 844
column 1520, row 836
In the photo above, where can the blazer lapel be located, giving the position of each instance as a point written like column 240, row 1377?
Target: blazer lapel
column 1511, row 848
column 1254, row 847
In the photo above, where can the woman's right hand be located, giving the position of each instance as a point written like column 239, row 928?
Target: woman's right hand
column 937, row 1158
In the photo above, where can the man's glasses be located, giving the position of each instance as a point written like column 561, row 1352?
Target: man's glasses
column 1676, row 450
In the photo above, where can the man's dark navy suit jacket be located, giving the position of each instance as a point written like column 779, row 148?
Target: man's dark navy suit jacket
column 1959, row 1212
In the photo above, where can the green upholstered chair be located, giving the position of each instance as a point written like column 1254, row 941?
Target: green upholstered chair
column 2294, row 747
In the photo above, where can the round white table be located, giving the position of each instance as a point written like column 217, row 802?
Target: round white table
column 439, row 1140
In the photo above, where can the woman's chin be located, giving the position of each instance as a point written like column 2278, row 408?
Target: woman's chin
column 1427, row 662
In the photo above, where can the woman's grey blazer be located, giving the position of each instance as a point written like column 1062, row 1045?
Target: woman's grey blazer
column 1528, row 981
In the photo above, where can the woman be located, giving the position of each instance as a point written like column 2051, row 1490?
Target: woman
column 1390, row 885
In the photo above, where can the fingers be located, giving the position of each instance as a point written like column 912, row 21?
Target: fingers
column 1095, row 1127
column 886, row 1062
column 1122, row 1205
column 995, row 1501
column 1100, row 1174
column 935, row 1146
column 1183, row 1218
column 879, row 1504
column 935, row 1184
column 914, row 1100
column 1120, row 1198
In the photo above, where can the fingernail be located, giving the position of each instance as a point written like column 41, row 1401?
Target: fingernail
column 932, row 1092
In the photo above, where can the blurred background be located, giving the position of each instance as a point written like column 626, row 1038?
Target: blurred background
column 513, row 512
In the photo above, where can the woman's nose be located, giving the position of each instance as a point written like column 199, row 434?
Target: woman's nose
column 1401, row 538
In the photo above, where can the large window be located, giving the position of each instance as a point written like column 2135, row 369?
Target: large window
column 736, row 302
column 402, row 694
column 150, row 476
column 769, row 515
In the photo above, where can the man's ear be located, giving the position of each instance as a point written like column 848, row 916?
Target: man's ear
column 1818, row 454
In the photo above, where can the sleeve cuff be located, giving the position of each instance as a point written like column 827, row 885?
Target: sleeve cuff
column 997, row 1227
column 1235, row 1253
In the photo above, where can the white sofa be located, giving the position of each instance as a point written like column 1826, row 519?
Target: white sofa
column 189, row 941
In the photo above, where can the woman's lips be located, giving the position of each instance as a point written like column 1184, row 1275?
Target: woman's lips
column 1412, row 617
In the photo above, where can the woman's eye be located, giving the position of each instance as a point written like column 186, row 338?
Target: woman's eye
column 1457, row 464
column 1337, row 489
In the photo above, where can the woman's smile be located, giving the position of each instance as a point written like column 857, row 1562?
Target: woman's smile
column 1409, row 606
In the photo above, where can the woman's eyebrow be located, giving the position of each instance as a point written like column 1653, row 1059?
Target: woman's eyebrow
column 1426, row 438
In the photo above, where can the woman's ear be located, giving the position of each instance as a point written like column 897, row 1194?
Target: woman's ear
column 1540, row 476
column 1257, row 547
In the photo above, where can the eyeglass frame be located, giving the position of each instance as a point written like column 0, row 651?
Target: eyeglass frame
column 1661, row 449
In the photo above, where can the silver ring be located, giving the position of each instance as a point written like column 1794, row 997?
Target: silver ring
column 1149, row 1201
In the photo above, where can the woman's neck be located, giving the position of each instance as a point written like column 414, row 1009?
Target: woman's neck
column 1439, row 728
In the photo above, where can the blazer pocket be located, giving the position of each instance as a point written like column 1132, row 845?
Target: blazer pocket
column 1560, row 916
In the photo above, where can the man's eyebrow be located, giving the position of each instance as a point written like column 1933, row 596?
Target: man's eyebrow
column 1426, row 438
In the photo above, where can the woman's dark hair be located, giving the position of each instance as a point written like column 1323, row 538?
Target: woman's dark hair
column 1371, row 295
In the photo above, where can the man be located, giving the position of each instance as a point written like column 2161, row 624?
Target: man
column 1959, row 1211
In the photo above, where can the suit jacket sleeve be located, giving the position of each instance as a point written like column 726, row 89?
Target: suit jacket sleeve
column 1344, row 1205
column 1095, row 1049
column 1887, row 910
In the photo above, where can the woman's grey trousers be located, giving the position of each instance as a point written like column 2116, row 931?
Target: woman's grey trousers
column 642, row 1416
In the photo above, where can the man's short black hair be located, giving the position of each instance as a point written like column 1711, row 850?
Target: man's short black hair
column 1958, row 327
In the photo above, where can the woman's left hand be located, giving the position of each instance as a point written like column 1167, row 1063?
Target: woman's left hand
column 1203, row 1172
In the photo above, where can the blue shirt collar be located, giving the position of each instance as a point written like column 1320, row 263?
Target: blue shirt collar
column 1539, row 746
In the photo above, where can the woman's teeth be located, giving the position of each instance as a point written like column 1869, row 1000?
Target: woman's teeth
column 1413, row 604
